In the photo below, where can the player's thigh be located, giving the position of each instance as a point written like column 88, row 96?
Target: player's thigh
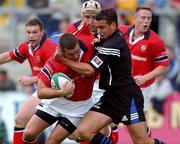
column 58, row 134
column 28, row 108
column 138, row 131
column 26, row 111
column 93, row 122
column 35, row 126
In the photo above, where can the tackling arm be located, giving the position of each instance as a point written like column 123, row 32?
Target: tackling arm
column 79, row 67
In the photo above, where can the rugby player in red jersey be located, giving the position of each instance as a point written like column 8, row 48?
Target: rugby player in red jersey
column 37, row 49
column 148, row 52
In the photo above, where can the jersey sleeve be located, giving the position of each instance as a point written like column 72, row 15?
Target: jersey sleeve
column 47, row 72
column 50, row 68
column 98, row 61
column 124, row 29
column 20, row 53
column 70, row 29
column 160, row 55
column 49, row 48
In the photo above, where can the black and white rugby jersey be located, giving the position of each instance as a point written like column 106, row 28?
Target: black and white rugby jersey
column 113, row 59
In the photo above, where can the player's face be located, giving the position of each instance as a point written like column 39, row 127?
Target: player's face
column 104, row 29
column 143, row 20
column 90, row 19
column 35, row 35
column 72, row 54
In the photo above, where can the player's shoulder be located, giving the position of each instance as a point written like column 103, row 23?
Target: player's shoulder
column 57, row 66
column 155, row 38
column 124, row 28
column 23, row 45
column 50, row 42
column 72, row 26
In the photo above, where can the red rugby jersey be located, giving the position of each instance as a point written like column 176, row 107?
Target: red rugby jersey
column 36, row 57
column 73, row 27
column 83, row 85
column 147, row 52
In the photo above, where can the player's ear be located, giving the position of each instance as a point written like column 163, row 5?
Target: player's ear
column 43, row 31
column 113, row 25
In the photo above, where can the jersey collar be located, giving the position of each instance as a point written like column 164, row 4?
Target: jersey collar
column 146, row 34
column 31, row 51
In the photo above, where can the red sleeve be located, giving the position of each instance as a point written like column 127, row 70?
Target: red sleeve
column 51, row 67
column 159, row 53
column 123, row 28
column 20, row 53
column 70, row 29
column 50, row 49
column 47, row 72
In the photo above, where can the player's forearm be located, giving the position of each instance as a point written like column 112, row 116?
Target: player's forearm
column 161, row 70
column 82, row 68
column 48, row 93
column 5, row 58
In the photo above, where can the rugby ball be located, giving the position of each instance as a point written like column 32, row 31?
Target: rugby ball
column 58, row 80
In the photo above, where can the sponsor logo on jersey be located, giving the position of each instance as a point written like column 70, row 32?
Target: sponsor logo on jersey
column 38, row 59
column 143, row 48
column 138, row 58
column 36, row 69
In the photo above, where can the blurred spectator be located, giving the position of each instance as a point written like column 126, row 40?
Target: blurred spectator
column 126, row 4
column 3, row 131
column 108, row 4
column 51, row 25
column 123, row 19
column 1, row 2
column 63, row 23
column 40, row 4
column 176, row 5
column 174, row 69
column 162, row 88
column 37, row 3
column 154, row 3
column 5, row 83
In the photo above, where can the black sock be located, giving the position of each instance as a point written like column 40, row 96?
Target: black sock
column 100, row 139
column 156, row 141
column 18, row 129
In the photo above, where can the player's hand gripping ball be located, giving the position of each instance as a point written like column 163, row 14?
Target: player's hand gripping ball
column 58, row 80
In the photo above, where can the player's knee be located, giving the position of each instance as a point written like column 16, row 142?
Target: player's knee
column 84, row 134
column 29, row 136
column 81, row 132
column 73, row 137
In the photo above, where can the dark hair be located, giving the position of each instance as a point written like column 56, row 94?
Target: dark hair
column 109, row 15
column 68, row 41
column 143, row 8
column 35, row 22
